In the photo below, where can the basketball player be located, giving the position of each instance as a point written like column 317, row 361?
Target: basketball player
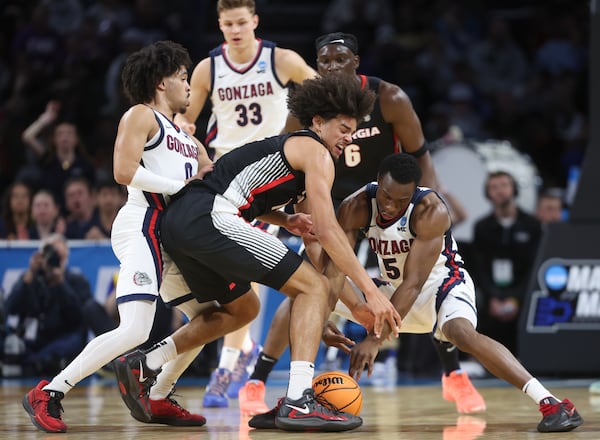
column 392, row 124
column 246, row 79
column 408, row 228
column 206, row 232
column 155, row 159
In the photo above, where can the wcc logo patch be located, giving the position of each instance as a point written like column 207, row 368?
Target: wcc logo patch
column 141, row 279
column 568, row 296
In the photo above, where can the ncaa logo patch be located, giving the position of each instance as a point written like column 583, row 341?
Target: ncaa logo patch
column 141, row 279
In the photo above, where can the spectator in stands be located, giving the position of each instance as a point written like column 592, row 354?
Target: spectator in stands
column 63, row 158
column 505, row 243
column 550, row 206
column 44, row 309
column 80, row 203
column 46, row 217
column 16, row 212
column 109, row 198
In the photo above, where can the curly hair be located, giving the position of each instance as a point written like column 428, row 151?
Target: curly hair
column 147, row 67
column 330, row 96
column 402, row 167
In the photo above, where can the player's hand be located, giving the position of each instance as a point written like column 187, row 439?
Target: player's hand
column 333, row 337
column 364, row 316
column 299, row 224
column 363, row 355
column 383, row 311
column 201, row 172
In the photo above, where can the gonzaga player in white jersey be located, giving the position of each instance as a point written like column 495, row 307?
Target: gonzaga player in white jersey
column 155, row 159
column 408, row 227
column 249, row 100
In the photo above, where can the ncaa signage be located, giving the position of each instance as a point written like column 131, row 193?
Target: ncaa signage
column 559, row 326
column 569, row 296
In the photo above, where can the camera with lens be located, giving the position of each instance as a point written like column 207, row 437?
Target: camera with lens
column 50, row 256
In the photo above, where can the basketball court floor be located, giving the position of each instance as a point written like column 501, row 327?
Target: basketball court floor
column 94, row 410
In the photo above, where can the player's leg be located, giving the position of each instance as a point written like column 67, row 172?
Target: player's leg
column 136, row 297
column 498, row 360
column 309, row 310
column 252, row 394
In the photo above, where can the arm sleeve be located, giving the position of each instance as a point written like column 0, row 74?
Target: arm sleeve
column 148, row 181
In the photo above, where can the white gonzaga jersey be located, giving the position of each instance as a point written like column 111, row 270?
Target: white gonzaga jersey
column 248, row 104
column 170, row 153
column 391, row 241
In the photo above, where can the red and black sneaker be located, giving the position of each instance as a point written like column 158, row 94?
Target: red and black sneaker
column 307, row 414
column 168, row 412
column 558, row 416
column 44, row 408
column 266, row 420
column 135, row 378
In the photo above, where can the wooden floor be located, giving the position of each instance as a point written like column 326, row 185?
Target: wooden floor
column 95, row 411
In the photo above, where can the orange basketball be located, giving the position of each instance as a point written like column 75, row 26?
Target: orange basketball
column 340, row 390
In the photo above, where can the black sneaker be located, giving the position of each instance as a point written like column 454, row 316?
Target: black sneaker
column 266, row 420
column 308, row 414
column 135, row 378
column 558, row 416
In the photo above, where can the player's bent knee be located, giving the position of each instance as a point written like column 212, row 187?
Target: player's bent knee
column 245, row 308
column 461, row 333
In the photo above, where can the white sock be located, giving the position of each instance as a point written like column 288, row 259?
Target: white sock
column 161, row 353
column 229, row 357
column 537, row 391
column 301, row 376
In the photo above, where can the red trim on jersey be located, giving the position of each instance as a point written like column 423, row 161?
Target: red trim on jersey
column 152, row 227
column 266, row 187
column 455, row 275
column 249, row 66
column 363, row 81
column 157, row 201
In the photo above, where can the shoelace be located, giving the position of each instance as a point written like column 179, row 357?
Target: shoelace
column 323, row 402
column 549, row 408
column 54, row 407
column 220, row 384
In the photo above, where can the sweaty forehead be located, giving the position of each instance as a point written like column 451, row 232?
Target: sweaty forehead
column 334, row 49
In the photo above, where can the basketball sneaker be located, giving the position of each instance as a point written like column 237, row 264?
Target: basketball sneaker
column 216, row 390
column 241, row 372
column 457, row 388
column 307, row 414
column 168, row 412
column 266, row 420
column 44, row 408
column 252, row 398
column 135, row 378
column 558, row 416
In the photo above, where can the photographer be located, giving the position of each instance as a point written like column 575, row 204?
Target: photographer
column 43, row 309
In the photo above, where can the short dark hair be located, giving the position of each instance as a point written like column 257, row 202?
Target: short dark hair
column 225, row 5
column 147, row 67
column 348, row 40
column 402, row 167
column 330, row 96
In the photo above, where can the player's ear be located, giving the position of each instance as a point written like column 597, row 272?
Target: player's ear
column 356, row 62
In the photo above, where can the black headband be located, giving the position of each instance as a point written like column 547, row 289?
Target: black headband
column 347, row 40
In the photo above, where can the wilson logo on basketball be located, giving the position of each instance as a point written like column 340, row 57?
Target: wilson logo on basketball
column 331, row 380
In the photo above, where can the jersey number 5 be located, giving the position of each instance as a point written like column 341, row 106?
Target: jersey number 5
column 392, row 272
column 251, row 114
